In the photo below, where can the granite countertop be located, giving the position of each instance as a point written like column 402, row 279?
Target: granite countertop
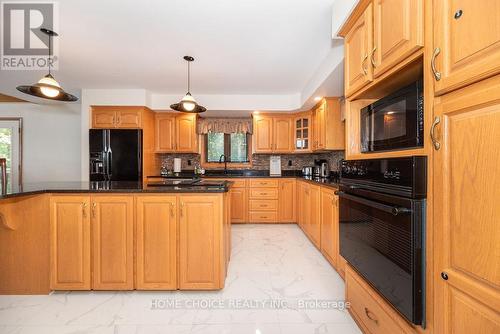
column 113, row 187
column 297, row 174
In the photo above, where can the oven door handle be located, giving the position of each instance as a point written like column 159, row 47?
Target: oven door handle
column 395, row 210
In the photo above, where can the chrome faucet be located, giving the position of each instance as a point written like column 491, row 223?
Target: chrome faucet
column 223, row 159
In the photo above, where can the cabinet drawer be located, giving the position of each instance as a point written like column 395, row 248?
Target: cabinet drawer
column 238, row 183
column 263, row 183
column 264, row 193
column 263, row 216
column 366, row 308
column 263, row 205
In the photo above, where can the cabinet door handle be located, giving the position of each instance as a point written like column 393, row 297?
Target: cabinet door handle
column 435, row 142
column 172, row 207
column 369, row 314
column 84, row 210
column 365, row 70
column 372, row 57
column 437, row 74
column 93, row 209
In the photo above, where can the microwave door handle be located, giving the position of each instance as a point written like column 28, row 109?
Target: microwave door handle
column 394, row 210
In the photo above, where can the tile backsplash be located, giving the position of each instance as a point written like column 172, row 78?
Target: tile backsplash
column 259, row 161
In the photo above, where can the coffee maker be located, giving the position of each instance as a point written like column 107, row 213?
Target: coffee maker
column 321, row 168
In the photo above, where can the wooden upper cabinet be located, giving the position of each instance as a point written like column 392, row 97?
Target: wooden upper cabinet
column 466, row 42
column 329, row 225
column 70, row 243
column 357, row 47
column 283, row 139
column 303, row 132
column 262, row 134
column 328, row 128
column 164, row 133
column 186, row 138
column 156, row 242
column 466, row 218
column 397, row 32
column 286, row 201
column 113, row 243
column 200, row 237
column 104, row 117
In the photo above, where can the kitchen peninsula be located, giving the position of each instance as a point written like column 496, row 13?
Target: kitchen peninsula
column 114, row 236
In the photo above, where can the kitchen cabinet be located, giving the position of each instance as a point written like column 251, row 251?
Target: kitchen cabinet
column 397, row 32
column 466, row 191
column 175, row 133
column 156, row 242
column 303, row 132
column 329, row 225
column 70, row 243
column 329, row 132
column 239, row 200
column 104, row 117
column 357, row 47
column 272, row 134
column 263, row 200
column 200, row 240
column 112, row 242
column 314, row 225
column 300, row 204
column 466, row 42
column 286, row 200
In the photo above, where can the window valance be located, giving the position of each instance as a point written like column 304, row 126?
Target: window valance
column 224, row 125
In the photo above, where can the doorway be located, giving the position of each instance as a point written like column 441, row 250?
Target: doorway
column 11, row 129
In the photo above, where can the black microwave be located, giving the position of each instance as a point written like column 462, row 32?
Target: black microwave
column 395, row 122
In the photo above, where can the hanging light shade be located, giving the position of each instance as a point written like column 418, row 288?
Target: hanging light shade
column 188, row 103
column 47, row 87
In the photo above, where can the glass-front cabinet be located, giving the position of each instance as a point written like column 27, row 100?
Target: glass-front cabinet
column 303, row 132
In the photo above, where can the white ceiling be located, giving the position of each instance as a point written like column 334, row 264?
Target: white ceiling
column 246, row 47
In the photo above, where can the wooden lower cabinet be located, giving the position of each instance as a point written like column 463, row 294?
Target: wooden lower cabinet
column 200, row 242
column 329, row 225
column 156, row 242
column 70, row 243
column 239, row 205
column 113, row 242
column 286, row 201
column 371, row 312
column 466, row 219
column 314, row 225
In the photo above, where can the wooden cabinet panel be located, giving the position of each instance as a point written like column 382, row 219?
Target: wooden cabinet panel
column 200, row 237
column 467, row 33
column 239, row 210
column 368, row 308
column 283, row 139
column 186, row 138
column 303, row 132
column 263, row 183
column 300, row 204
column 287, row 198
column 397, row 32
column 466, row 192
column 329, row 225
column 320, row 127
column 306, row 208
column 263, row 193
column 70, row 243
column 131, row 119
column 357, row 46
column 314, row 215
column 156, row 242
column 164, row 133
column 262, row 134
column 103, row 119
column 113, row 244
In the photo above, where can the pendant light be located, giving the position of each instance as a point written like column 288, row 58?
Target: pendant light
column 188, row 103
column 47, row 87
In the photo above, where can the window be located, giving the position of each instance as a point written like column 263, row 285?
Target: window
column 234, row 146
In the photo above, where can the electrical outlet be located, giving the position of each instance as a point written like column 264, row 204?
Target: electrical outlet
column 189, row 162
column 290, row 163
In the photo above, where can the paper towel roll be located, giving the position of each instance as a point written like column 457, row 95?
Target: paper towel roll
column 177, row 165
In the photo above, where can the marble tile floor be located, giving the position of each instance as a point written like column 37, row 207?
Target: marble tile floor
column 278, row 283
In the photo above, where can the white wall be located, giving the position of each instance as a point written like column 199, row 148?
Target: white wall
column 51, row 140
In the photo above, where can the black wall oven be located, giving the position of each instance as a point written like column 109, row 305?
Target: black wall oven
column 395, row 122
column 382, row 218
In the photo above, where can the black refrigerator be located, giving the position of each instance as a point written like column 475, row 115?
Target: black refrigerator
column 115, row 155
